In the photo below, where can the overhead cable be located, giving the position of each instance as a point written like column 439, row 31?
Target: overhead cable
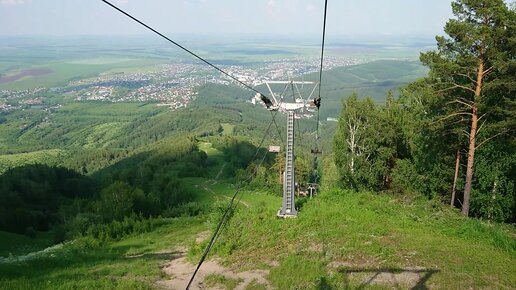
column 317, row 101
column 230, row 205
column 263, row 97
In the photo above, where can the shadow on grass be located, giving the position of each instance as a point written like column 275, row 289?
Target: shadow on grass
column 409, row 278
column 83, row 264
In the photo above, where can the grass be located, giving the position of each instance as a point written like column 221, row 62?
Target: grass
column 215, row 280
column 216, row 158
column 339, row 240
column 210, row 150
column 132, row 263
column 367, row 234
column 227, row 129
column 15, row 244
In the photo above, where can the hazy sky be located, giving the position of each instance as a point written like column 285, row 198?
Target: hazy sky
column 345, row 17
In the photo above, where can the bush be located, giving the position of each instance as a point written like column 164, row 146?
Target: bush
column 405, row 177
column 116, row 230
column 187, row 209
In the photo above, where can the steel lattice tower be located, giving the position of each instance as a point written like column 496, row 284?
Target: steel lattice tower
column 297, row 104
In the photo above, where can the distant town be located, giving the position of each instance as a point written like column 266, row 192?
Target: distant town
column 170, row 85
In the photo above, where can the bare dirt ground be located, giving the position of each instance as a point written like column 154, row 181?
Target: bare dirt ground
column 181, row 270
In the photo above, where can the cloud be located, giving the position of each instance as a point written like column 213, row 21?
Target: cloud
column 13, row 2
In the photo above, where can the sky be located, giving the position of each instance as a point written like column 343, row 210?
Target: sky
column 353, row 18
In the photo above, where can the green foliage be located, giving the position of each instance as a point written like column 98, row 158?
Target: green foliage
column 117, row 229
column 472, row 77
column 403, row 147
column 368, row 142
column 32, row 195
column 147, row 184
column 18, row 244
column 50, row 157
column 116, row 201
column 214, row 280
column 494, row 191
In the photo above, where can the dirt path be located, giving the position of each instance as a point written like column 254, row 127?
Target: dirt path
column 220, row 172
column 224, row 196
column 181, row 270
column 206, row 188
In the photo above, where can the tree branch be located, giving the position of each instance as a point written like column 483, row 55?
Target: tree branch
column 455, row 86
column 481, row 125
column 487, row 71
column 468, row 77
column 451, row 115
column 483, row 115
column 461, row 102
column 492, row 137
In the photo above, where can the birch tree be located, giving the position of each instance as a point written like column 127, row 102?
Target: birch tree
column 351, row 146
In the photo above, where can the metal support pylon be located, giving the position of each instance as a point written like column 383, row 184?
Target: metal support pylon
column 289, row 207
column 297, row 104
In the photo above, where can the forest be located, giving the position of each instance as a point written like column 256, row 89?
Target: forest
column 452, row 134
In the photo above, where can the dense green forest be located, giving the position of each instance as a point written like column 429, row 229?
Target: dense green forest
column 451, row 135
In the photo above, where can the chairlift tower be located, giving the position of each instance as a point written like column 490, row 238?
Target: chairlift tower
column 297, row 104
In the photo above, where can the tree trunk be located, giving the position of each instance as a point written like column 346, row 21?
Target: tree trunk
column 352, row 146
column 471, row 160
column 473, row 136
column 455, row 177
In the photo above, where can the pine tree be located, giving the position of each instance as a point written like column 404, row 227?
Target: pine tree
column 474, row 70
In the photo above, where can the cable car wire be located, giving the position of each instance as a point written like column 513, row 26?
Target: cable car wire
column 263, row 97
column 278, row 130
column 228, row 209
column 317, row 101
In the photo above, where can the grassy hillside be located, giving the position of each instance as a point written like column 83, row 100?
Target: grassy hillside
column 346, row 239
column 340, row 240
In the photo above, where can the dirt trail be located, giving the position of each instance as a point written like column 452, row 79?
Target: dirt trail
column 219, row 173
column 220, row 195
column 181, row 270
column 224, row 196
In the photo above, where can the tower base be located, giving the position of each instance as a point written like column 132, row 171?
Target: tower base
column 286, row 215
